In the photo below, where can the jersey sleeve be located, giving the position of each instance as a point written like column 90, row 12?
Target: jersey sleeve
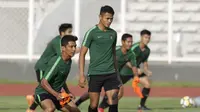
column 132, row 59
column 52, row 68
column 56, row 44
column 87, row 39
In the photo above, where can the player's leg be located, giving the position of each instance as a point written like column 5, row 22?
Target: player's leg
column 30, row 98
column 144, row 80
column 104, row 102
column 45, row 101
column 95, row 84
column 47, row 105
column 111, row 86
column 70, row 107
column 124, row 80
column 83, row 98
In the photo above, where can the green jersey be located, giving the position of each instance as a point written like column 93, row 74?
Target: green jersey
column 141, row 57
column 122, row 59
column 56, row 74
column 52, row 49
column 100, row 44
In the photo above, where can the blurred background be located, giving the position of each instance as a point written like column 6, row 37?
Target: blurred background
column 26, row 26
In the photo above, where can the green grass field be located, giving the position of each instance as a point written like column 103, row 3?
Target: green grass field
column 154, row 83
column 127, row 104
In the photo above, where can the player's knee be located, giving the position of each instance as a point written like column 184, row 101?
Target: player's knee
column 114, row 99
column 147, row 84
column 76, row 110
column 50, row 109
column 121, row 93
column 93, row 106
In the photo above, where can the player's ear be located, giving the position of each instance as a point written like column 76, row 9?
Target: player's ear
column 100, row 16
column 63, row 48
column 122, row 41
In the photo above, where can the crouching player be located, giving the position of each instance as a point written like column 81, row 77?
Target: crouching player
column 142, row 52
column 47, row 93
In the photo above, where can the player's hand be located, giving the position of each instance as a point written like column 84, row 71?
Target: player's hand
column 58, row 96
column 72, row 96
column 65, row 99
column 82, row 81
column 139, row 71
column 136, row 79
column 148, row 73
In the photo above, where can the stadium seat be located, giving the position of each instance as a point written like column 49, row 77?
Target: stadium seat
column 159, row 37
column 195, row 17
column 157, row 7
column 191, row 7
column 190, row 29
column 137, row 6
column 181, row 17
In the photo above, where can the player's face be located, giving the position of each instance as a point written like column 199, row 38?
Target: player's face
column 70, row 48
column 127, row 43
column 145, row 39
column 67, row 32
column 106, row 19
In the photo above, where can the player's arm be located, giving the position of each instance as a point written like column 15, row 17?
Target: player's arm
column 136, row 80
column 48, row 75
column 85, row 45
column 133, row 68
column 146, row 66
column 146, row 69
column 114, row 52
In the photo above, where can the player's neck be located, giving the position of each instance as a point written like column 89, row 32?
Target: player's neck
column 101, row 27
column 61, row 36
column 65, row 57
column 124, row 51
column 142, row 46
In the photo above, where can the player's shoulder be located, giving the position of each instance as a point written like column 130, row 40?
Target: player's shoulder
column 112, row 30
column 54, row 60
column 55, row 39
column 135, row 45
column 92, row 29
column 147, row 48
column 117, row 47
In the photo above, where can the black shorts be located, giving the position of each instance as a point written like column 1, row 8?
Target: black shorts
column 39, row 74
column 44, row 96
column 108, row 81
column 125, row 78
column 142, row 75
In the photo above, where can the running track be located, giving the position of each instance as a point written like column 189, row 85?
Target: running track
column 24, row 89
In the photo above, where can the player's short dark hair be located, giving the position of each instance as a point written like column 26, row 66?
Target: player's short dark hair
column 63, row 27
column 107, row 9
column 125, row 36
column 68, row 38
column 145, row 31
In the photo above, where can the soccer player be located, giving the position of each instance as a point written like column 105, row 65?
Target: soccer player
column 142, row 52
column 123, row 57
column 53, row 48
column 47, row 93
column 101, row 41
